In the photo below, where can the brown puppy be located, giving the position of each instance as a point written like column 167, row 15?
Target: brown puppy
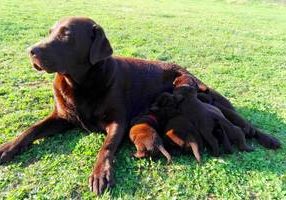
column 145, row 127
column 94, row 90
column 146, row 140
column 250, row 131
column 205, row 117
column 143, row 133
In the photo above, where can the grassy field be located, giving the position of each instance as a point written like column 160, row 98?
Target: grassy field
column 237, row 47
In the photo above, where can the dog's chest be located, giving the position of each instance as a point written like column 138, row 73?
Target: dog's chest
column 80, row 107
column 91, row 111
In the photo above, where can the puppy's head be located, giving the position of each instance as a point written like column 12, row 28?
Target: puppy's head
column 73, row 45
column 185, row 91
column 165, row 105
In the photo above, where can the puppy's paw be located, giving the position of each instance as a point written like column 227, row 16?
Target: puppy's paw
column 140, row 154
column 246, row 148
column 228, row 150
column 215, row 150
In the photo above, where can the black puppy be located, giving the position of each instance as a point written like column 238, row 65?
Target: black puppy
column 178, row 129
column 205, row 118
column 250, row 131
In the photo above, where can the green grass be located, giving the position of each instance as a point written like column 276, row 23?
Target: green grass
column 237, row 47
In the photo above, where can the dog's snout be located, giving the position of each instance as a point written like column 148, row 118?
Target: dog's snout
column 35, row 51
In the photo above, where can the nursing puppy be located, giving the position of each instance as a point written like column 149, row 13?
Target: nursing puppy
column 145, row 127
column 181, row 132
column 145, row 137
column 249, row 130
column 178, row 129
column 206, row 119
column 211, row 97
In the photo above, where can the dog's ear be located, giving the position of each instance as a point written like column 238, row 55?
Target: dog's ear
column 100, row 48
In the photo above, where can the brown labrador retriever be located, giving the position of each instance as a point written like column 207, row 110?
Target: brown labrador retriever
column 94, row 90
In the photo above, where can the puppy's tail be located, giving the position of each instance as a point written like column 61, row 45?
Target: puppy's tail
column 164, row 152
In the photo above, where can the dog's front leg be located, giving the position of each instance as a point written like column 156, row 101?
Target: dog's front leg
column 47, row 127
column 102, row 175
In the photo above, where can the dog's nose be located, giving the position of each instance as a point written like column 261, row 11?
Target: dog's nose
column 34, row 51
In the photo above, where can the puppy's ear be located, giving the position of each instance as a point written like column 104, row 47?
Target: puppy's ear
column 100, row 48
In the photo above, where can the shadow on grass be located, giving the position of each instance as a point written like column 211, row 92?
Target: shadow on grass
column 127, row 169
column 63, row 143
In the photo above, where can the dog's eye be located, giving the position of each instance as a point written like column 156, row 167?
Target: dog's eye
column 64, row 33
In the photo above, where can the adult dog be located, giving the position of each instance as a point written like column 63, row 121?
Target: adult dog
column 95, row 91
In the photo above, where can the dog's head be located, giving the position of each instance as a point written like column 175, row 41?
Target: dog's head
column 73, row 45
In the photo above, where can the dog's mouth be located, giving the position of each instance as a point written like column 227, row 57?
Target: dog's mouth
column 37, row 67
column 40, row 65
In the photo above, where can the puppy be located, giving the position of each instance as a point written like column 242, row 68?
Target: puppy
column 249, row 130
column 178, row 129
column 146, row 139
column 205, row 118
column 144, row 132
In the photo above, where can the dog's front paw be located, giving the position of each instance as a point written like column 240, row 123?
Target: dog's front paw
column 7, row 152
column 101, row 177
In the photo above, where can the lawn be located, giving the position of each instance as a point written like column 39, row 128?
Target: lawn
column 237, row 47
